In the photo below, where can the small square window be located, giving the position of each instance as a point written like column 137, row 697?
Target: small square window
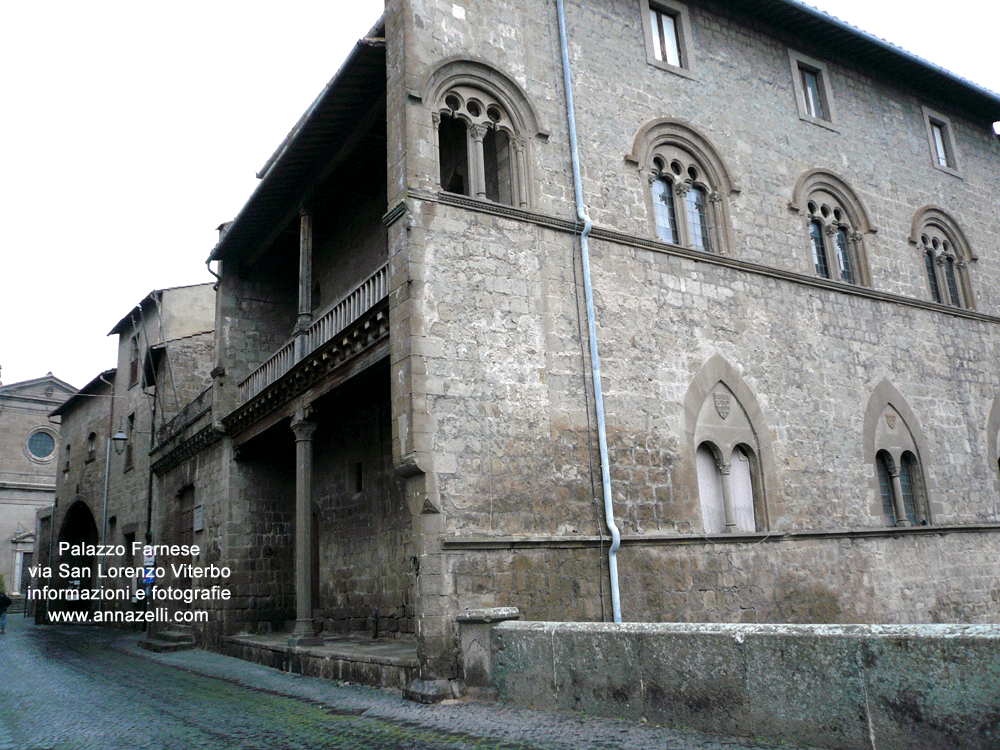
column 813, row 97
column 941, row 140
column 667, row 29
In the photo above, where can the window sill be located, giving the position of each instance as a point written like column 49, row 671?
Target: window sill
column 820, row 121
column 947, row 170
column 675, row 69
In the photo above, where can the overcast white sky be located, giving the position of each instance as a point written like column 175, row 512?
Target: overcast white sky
column 134, row 129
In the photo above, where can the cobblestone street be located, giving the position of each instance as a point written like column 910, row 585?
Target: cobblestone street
column 76, row 687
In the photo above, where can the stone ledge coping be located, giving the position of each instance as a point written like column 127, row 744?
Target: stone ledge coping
column 740, row 631
column 400, row 653
column 462, row 543
column 488, row 615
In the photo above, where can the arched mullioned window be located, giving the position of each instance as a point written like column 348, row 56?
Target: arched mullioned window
column 689, row 185
column 892, row 445
column 946, row 255
column 483, row 126
column 729, row 451
column 836, row 224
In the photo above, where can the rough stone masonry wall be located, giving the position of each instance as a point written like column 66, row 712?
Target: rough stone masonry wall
column 255, row 314
column 366, row 569
column 260, row 545
column 354, row 252
column 845, row 687
column 944, row 577
column 506, row 393
column 249, row 523
column 185, row 376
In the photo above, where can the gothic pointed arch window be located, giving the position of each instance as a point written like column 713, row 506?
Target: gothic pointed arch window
column 836, row 224
column 730, row 450
column 893, row 441
column 946, row 257
column 688, row 186
column 483, row 126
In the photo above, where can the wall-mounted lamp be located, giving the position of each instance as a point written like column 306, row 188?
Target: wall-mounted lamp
column 119, row 441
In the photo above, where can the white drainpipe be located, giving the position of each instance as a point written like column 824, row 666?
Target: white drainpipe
column 581, row 212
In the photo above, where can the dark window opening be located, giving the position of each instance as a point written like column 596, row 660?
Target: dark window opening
column 133, row 364
column 497, row 158
column 929, row 262
column 453, row 145
column 949, row 273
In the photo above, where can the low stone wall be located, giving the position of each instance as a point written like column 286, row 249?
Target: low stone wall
column 386, row 664
column 870, row 687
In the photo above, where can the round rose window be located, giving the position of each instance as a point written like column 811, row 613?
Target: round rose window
column 41, row 445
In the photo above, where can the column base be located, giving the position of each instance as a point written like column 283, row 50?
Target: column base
column 433, row 691
column 304, row 634
column 305, row 640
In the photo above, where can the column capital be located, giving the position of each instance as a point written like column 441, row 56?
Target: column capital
column 302, row 426
column 478, row 132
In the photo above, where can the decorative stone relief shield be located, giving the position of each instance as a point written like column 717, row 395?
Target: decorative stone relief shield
column 890, row 419
column 722, row 404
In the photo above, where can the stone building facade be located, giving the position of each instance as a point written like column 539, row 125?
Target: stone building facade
column 28, row 466
column 782, row 226
column 104, row 490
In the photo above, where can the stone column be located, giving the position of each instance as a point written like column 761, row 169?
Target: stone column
column 718, row 225
column 303, row 634
column 519, row 178
column 727, row 496
column 478, row 132
column 897, row 497
column 305, row 283
column 436, row 122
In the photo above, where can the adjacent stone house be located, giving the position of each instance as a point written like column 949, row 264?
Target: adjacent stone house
column 28, row 465
column 737, row 313
column 104, row 491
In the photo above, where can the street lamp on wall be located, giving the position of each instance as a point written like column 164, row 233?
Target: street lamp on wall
column 119, row 440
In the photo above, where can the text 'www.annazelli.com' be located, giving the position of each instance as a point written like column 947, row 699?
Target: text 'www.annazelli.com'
column 159, row 614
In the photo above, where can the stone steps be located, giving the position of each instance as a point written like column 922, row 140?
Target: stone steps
column 166, row 641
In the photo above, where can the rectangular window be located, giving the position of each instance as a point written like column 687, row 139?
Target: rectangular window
column 359, row 477
column 813, row 94
column 810, row 92
column 941, row 140
column 667, row 27
column 133, row 362
column 665, row 45
column 940, row 149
